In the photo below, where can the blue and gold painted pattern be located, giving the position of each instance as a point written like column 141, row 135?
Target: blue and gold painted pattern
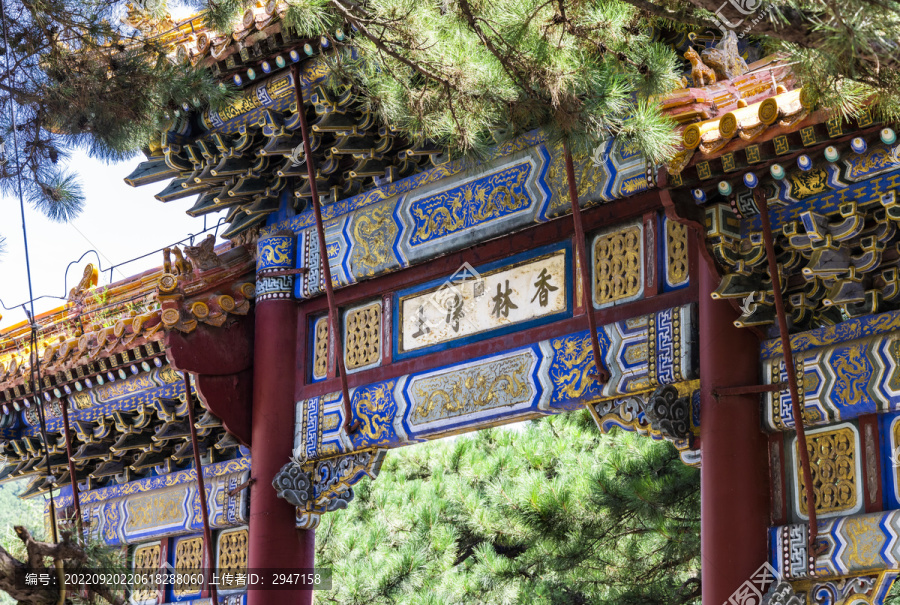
column 150, row 483
column 838, row 382
column 628, row 414
column 867, row 194
column 375, row 407
column 274, row 94
column 373, row 234
column 99, row 402
column 870, row 325
column 165, row 505
column 392, row 190
column 275, row 252
column 456, row 205
column 497, row 198
column 854, row 545
column 612, row 172
column 469, row 205
column 337, row 243
column 544, row 378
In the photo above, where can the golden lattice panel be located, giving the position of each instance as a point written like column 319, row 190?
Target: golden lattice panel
column 233, row 555
column 320, row 349
column 146, row 559
column 188, row 561
column 362, row 336
column 834, row 465
column 676, row 254
column 618, row 258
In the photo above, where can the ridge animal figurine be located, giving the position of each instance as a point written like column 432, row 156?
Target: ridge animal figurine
column 167, row 260
column 182, row 266
column 700, row 73
column 88, row 280
column 203, row 256
column 725, row 59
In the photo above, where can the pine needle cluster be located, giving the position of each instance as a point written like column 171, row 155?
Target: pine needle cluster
column 461, row 75
column 556, row 513
column 79, row 78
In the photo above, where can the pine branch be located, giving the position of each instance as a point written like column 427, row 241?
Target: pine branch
column 681, row 15
column 379, row 43
column 515, row 72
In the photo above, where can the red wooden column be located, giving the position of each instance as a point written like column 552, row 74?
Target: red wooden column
column 734, row 477
column 275, row 543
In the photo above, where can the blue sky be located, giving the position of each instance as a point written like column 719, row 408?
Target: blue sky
column 119, row 222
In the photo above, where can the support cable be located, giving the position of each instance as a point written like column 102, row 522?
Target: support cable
column 201, row 486
column 788, row 353
column 64, row 404
column 333, row 323
column 35, row 386
column 601, row 374
column 35, row 368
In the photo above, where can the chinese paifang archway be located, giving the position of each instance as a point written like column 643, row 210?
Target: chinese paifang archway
column 460, row 306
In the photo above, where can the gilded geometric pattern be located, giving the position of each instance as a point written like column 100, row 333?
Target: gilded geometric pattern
column 233, row 554
column 362, row 336
column 320, row 349
column 832, row 461
column 618, row 272
column 146, row 558
column 676, row 253
column 188, row 561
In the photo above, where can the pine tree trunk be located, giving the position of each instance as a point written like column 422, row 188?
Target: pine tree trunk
column 12, row 571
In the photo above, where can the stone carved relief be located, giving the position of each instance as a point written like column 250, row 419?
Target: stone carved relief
column 324, row 485
column 670, row 414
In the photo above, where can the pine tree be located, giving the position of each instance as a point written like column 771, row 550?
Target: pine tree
column 461, row 74
column 556, row 513
column 77, row 77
